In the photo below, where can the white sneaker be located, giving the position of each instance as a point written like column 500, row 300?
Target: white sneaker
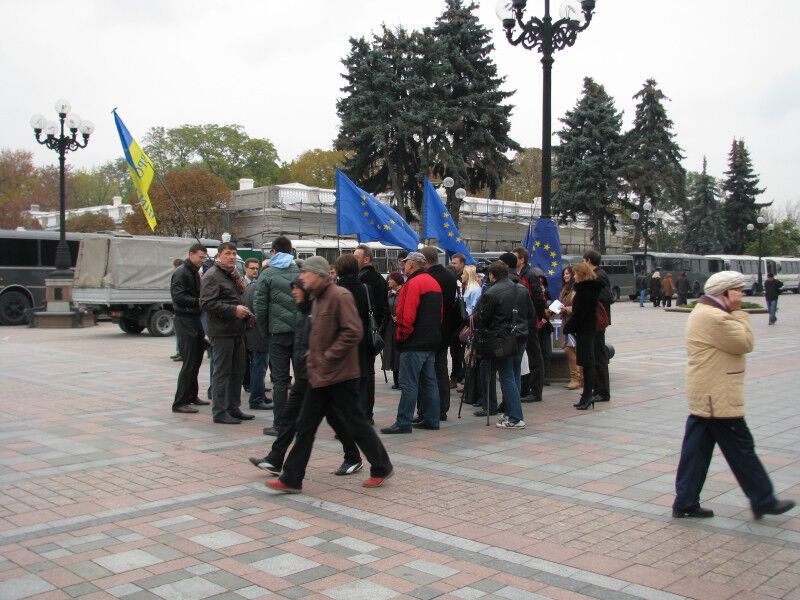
column 509, row 424
column 502, row 419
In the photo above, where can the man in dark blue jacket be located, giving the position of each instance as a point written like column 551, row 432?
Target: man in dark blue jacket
column 185, row 291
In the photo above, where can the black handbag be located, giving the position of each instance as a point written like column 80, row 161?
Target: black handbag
column 463, row 315
column 374, row 337
column 498, row 343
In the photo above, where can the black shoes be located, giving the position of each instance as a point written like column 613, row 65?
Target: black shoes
column 692, row 513
column 585, row 405
column 265, row 465
column 270, row 431
column 241, row 416
column 424, row 425
column 185, row 408
column 778, row 508
column 261, row 405
column 530, row 398
column 599, row 398
column 443, row 417
column 348, row 468
column 198, row 402
column 396, row 429
column 416, row 420
column 482, row 412
column 226, row 419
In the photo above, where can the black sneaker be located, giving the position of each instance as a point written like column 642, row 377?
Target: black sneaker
column 348, row 468
column 692, row 513
column 265, row 465
column 778, row 508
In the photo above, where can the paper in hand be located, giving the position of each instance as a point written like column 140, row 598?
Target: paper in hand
column 555, row 307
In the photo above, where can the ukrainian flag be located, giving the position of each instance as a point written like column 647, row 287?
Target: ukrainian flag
column 141, row 168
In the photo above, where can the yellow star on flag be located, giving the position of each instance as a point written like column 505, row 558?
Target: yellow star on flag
column 391, row 221
column 458, row 239
column 371, row 222
column 446, row 214
column 554, row 264
column 551, row 272
column 553, row 254
column 547, row 246
column 450, row 234
column 537, row 244
column 365, row 213
column 386, row 227
column 445, row 225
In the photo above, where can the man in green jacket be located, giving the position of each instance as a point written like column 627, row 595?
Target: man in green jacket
column 275, row 317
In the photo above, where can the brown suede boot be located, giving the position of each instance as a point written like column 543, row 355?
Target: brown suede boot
column 574, row 370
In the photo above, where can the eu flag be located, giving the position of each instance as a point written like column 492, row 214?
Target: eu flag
column 437, row 223
column 360, row 213
column 141, row 168
column 543, row 245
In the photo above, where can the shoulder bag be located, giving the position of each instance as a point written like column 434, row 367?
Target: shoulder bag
column 374, row 337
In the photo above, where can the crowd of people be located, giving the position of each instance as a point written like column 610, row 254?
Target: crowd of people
column 319, row 328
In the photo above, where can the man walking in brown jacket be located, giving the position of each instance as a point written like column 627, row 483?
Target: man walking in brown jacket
column 718, row 336
column 333, row 376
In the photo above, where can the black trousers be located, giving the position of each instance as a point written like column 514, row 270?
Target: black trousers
column 342, row 399
column 533, row 383
column 281, row 348
column 585, row 350
column 457, row 356
column 366, row 390
column 602, row 386
column 226, row 384
column 191, row 347
column 738, row 448
column 442, row 380
column 287, row 430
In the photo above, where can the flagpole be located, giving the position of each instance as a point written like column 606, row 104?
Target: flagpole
column 177, row 208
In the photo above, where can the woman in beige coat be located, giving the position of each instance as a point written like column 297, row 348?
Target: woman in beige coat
column 718, row 336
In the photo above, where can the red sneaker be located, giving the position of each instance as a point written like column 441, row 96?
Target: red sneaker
column 279, row 486
column 374, row 482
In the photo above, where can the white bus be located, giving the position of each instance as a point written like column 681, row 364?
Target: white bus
column 746, row 265
column 785, row 268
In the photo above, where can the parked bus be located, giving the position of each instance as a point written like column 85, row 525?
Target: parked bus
column 746, row 265
column 698, row 268
column 785, row 268
column 618, row 267
column 384, row 257
column 27, row 257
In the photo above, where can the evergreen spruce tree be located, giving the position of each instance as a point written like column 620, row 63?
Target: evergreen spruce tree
column 473, row 145
column 588, row 161
column 652, row 165
column 741, row 189
column 703, row 219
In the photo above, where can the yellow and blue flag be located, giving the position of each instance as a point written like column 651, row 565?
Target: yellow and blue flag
column 360, row 213
column 438, row 223
column 141, row 168
column 543, row 245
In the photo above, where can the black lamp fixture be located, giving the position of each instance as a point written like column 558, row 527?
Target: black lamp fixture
column 56, row 139
column 760, row 225
column 547, row 36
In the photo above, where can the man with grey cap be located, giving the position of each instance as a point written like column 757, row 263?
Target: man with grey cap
column 419, row 334
column 718, row 336
column 333, row 377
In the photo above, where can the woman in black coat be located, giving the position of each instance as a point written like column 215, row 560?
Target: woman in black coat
column 582, row 325
column 347, row 277
column 391, row 355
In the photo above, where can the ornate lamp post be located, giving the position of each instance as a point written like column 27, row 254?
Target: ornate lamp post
column 547, row 36
column 760, row 225
column 646, row 208
column 62, row 143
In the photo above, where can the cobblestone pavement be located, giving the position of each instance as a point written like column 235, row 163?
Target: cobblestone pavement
column 104, row 493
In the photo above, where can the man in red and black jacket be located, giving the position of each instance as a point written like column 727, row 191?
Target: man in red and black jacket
column 532, row 387
column 419, row 335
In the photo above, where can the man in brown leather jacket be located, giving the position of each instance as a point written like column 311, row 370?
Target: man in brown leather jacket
column 333, row 375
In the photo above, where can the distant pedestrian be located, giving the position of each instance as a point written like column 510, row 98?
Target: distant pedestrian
column 655, row 289
column 221, row 292
column 332, row 364
column 718, row 336
column 682, row 288
column 457, row 264
column 667, row 289
column 568, row 341
column 772, row 289
column 642, row 284
column 257, row 346
column 391, row 354
column 185, row 292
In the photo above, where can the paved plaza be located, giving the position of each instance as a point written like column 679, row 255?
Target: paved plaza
column 105, row 493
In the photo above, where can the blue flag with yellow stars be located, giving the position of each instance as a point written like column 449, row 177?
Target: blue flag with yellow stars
column 542, row 243
column 437, row 223
column 360, row 213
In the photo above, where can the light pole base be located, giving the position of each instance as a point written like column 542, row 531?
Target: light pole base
column 59, row 312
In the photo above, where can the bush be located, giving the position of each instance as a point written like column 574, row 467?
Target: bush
column 744, row 305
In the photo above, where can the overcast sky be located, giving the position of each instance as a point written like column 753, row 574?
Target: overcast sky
column 730, row 68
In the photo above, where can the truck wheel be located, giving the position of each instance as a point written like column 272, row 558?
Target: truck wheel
column 161, row 323
column 13, row 305
column 130, row 326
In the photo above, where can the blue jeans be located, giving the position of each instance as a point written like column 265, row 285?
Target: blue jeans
column 418, row 380
column 772, row 306
column 642, row 297
column 258, row 373
column 508, row 370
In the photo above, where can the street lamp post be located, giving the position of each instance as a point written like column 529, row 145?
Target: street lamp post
column 460, row 193
column 62, row 143
column 547, row 36
column 646, row 208
column 760, row 225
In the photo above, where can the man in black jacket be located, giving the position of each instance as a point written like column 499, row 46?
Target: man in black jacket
column 185, row 291
column 602, row 386
column 447, row 282
column 533, row 385
column 380, row 311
